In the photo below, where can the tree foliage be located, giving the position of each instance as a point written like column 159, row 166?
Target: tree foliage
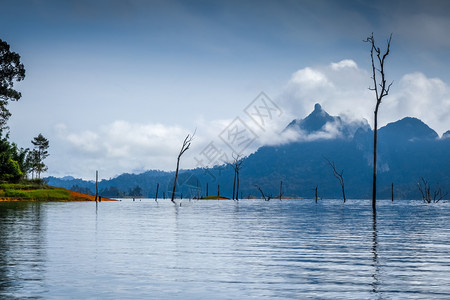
column 12, row 160
column 38, row 154
column 11, row 70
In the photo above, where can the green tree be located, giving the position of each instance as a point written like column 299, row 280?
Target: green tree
column 38, row 155
column 20, row 155
column 10, row 169
column 11, row 70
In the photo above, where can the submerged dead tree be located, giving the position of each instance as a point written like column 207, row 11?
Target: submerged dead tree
column 381, row 90
column 428, row 195
column 237, row 163
column 186, row 144
column 339, row 176
column 262, row 193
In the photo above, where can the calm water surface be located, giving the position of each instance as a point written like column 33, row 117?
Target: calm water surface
column 293, row 249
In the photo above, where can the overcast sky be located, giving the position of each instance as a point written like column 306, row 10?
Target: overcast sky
column 117, row 85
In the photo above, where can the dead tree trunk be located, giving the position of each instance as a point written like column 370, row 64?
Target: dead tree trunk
column 339, row 176
column 186, row 144
column 262, row 193
column 237, row 163
column 381, row 90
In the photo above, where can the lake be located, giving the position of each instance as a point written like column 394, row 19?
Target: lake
column 251, row 249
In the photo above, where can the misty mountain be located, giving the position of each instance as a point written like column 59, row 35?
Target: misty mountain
column 319, row 121
column 407, row 150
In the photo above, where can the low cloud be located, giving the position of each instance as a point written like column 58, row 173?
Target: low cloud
column 425, row 98
column 119, row 147
column 125, row 147
column 342, row 89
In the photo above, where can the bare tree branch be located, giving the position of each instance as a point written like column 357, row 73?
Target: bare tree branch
column 186, row 144
column 339, row 176
column 262, row 193
column 425, row 190
column 381, row 90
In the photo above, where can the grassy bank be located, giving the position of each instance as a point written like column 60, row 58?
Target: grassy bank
column 40, row 192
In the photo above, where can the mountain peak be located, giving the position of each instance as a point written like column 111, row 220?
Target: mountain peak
column 319, row 121
column 316, row 120
column 409, row 129
column 317, row 107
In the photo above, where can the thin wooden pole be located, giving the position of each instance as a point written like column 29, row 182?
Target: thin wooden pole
column 234, row 183
column 392, row 192
column 157, row 188
column 237, row 185
column 206, row 189
column 316, row 192
column 96, row 185
column 281, row 188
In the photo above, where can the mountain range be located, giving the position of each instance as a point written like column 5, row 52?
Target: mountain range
column 408, row 150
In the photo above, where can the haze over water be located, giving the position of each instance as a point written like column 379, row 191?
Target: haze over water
column 290, row 249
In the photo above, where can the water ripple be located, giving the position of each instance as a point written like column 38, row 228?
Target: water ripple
column 290, row 249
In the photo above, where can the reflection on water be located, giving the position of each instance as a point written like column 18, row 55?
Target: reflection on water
column 22, row 249
column 375, row 253
column 225, row 250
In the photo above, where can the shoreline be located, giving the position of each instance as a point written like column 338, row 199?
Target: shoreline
column 46, row 194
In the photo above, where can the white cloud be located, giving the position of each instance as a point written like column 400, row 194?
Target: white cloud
column 346, row 63
column 123, row 146
column 116, row 148
column 425, row 98
column 346, row 92
column 310, row 79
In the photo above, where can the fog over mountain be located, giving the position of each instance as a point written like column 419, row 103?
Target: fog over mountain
column 408, row 150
